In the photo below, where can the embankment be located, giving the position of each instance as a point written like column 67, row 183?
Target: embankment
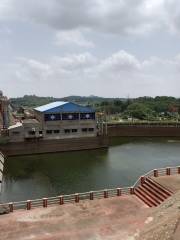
column 48, row 146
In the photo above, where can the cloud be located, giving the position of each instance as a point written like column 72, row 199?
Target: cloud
column 72, row 37
column 120, row 74
column 120, row 62
column 119, row 17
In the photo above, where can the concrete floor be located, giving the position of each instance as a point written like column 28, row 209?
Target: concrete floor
column 118, row 218
column 107, row 219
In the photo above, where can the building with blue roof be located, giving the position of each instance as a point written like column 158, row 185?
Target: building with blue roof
column 60, row 120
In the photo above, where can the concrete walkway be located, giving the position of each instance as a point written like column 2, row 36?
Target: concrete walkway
column 117, row 218
column 105, row 219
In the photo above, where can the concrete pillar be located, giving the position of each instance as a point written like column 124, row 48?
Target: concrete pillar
column 76, row 197
column 142, row 180
column 91, row 195
column 45, row 202
column 61, row 200
column 118, row 191
column 105, row 194
column 131, row 190
column 11, row 207
column 156, row 173
column 28, row 205
column 168, row 171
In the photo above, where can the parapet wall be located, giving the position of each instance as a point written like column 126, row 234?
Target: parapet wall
column 119, row 130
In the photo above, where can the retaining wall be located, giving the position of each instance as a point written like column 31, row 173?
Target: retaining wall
column 48, row 146
column 119, row 130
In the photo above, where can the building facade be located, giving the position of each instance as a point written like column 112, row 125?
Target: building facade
column 57, row 120
column 66, row 120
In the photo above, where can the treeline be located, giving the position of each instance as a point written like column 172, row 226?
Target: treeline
column 34, row 101
column 143, row 108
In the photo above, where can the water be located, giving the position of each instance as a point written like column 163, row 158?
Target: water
column 29, row 177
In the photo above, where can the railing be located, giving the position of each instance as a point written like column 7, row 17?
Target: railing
column 145, row 124
column 63, row 199
column 75, row 198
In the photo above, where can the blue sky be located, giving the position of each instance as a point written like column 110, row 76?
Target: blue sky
column 107, row 48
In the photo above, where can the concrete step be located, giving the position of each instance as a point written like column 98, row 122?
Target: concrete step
column 154, row 192
column 162, row 188
column 151, row 195
column 157, row 190
column 146, row 198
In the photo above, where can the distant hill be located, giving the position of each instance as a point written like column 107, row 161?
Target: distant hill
column 30, row 101
column 165, row 108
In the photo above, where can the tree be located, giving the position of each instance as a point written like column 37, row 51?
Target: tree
column 139, row 110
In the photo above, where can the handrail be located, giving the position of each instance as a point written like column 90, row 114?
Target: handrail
column 2, row 154
column 62, row 199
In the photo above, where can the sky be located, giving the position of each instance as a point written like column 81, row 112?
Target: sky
column 109, row 48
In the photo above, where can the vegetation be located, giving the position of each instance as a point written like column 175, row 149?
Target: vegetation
column 142, row 108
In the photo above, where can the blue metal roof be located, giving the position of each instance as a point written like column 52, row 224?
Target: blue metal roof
column 63, row 107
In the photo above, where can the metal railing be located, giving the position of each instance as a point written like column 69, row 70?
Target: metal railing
column 145, row 123
column 75, row 198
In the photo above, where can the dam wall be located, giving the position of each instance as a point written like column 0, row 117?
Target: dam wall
column 58, row 145
column 38, row 146
column 120, row 130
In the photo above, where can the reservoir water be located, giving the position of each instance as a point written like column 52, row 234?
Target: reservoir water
column 37, row 176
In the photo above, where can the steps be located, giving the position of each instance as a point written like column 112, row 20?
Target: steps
column 152, row 193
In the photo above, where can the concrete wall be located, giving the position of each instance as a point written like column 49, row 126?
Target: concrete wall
column 48, row 146
column 61, row 125
column 115, row 130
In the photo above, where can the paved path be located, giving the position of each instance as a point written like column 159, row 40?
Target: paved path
column 105, row 219
column 118, row 218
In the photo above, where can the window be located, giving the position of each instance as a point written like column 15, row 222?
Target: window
column 74, row 130
column 84, row 129
column 67, row 130
column 91, row 129
column 52, row 117
column 32, row 132
column 70, row 116
column 56, row 131
column 87, row 116
column 40, row 132
column 49, row 131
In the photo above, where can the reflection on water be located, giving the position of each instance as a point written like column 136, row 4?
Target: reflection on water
column 29, row 177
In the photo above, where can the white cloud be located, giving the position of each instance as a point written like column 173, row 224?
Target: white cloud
column 123, row 16
column 117, row 75
column 120, row 61
column 72, row 37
